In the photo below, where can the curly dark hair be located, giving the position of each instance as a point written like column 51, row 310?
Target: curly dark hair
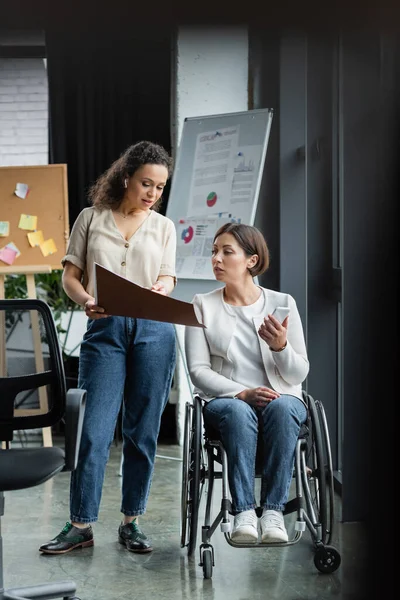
column 108, row 191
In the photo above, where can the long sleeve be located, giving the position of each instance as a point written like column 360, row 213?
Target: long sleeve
column 292, row 362
column 198, row 357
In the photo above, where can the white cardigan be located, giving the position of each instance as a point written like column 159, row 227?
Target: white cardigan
column 207, row 350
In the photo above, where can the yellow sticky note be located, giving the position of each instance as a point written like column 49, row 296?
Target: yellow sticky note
column 4, row 228
column 48, row 247
column 27, row 222
column 35, row 238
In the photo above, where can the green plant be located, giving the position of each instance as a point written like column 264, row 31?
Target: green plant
column 15, row 287
column 48, row 288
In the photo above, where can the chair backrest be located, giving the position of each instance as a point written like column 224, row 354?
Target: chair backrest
column 30, row 358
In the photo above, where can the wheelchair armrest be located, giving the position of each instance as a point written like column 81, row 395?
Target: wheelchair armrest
column 74, row 413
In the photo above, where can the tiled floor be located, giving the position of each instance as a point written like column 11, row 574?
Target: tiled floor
column 109, row 572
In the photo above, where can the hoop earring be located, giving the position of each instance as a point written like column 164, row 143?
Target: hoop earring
column 125, row 183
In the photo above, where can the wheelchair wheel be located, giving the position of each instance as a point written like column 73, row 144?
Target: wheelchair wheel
column 321, row 476
column 191, row 469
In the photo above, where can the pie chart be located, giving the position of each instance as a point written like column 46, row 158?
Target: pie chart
column 187, row 234
column 211, row 199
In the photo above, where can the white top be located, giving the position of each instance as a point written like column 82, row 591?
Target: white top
column 209, row 355
column 149, row 253
column 244, row 349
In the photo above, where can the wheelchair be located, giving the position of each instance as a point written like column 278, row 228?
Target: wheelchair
column 205, row 460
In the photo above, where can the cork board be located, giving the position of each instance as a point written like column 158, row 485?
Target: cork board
column 47, row 200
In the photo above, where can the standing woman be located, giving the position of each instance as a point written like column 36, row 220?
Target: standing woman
column 121, row 359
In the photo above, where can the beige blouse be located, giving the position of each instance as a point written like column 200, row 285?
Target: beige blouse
column 149, row 253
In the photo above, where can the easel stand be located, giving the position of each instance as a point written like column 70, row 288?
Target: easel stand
column 29, row 273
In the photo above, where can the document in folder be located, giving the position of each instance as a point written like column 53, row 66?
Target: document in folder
column 120, row 297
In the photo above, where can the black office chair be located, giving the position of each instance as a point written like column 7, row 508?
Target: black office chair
column 24, row 467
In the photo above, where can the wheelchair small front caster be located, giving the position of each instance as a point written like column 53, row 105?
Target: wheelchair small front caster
column 327, row 559
column 207, row 560
column 207, row 563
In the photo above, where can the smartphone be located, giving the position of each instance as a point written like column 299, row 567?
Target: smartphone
column 280, row 313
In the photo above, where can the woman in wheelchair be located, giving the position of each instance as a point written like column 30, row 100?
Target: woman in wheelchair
column 248, row 366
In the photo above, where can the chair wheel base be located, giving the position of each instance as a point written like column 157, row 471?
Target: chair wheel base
column 62, row 589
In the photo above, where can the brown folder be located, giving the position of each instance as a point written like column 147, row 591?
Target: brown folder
column 121, row 297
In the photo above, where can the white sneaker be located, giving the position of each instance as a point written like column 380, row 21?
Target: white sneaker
column 245, row 527
column 273, row 527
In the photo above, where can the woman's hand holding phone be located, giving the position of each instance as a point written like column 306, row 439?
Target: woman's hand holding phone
column 273, row 331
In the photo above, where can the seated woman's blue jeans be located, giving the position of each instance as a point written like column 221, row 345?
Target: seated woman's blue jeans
column 130, row 360
column 237, row 423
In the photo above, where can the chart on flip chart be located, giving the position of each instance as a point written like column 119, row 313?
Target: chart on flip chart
column 217, row 178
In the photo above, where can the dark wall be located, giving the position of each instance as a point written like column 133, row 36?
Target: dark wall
column 295, row 79
column 370, row 196
column 360, row 80
column 329, row 192
column 264, row 58
column 321, row 196
column 107, row 90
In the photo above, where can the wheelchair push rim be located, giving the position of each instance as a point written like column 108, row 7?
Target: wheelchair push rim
column 321, row 478
column 191, row 476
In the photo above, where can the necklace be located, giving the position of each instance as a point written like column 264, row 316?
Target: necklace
column 129, row 214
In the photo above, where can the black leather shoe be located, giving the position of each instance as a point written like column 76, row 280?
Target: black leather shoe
column 68, row 539
column 131, row 536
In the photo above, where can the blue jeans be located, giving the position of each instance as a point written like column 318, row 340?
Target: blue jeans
column 237, row 423
column 130, row 360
